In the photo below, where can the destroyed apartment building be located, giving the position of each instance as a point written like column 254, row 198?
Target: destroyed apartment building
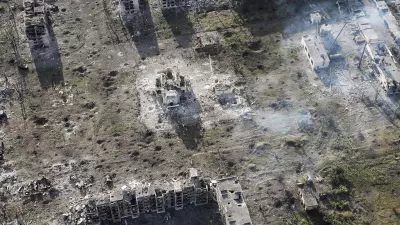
column 172, row 4
column 177, row 195
column 316, row 54
column 128, row 9
column 366, row 30
column 171, row 89
column 36, row 22
column 386, row 68
column 231, row 202
column 393, row 26
column 389, row 20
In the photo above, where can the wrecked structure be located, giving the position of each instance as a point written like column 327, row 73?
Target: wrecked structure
column 172, row 4
column 316, row 54
column 226, row 96
column 171, row 88
column 131, row 203
column 128, row 9
column 308, row 195
column 208, row 42
column 389, row 20
column 385, row 66
column 177, row 195
column 36, row 22
column 393, row 26
column 36, row 189
column 366, row 30
column 315, row 18
column 231, row 203
column 382, row 6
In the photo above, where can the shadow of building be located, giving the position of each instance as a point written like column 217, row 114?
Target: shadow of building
column 47, row 60
column 327, row 77
column 180, row 24
column 199, row 215
column 143, row 32
column 187, row 122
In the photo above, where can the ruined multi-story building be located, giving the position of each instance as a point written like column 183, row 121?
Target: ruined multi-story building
column 149, row 199
column 171, row 88
column 316, row 53
column 231, row 204
column 386, row 67
column 128, row 9
column 36, row 22
column 177, row 195
column 366, row 30
column 171, row 4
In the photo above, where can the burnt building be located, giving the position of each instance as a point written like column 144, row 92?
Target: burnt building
column 171, row 88
column 231, row 204
column 130, row 203
column 36, row 22
column 129, row 9
column 157, row 198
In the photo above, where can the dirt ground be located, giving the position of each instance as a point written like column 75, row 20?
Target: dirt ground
column 84, row 109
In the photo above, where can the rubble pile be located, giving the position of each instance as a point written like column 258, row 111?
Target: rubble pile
column 171, row 89
column 37, row 189
column 208, row 42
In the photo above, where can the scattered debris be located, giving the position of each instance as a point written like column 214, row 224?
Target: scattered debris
column 37, row 189
column 208, row 42
column 170, row 88
column 226, row 95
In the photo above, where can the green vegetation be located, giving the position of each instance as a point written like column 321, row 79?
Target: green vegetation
column 117, row 129
column 213, row 133
column 293, row 54
column 370, row 180
column 218, row 20
column 298, row 219
column 236, row 40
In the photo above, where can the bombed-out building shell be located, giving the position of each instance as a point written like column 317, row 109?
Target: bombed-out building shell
column 171, row 4
column 128, row 9
column 367, row 31
column 35, row 22
column 315, row 51
column 232, row 206
column 130, row 203
column 308, row 198
column 386, row 68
